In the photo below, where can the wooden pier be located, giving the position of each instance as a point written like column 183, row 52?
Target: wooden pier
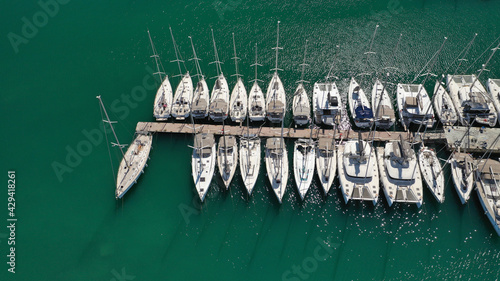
column 267, row 132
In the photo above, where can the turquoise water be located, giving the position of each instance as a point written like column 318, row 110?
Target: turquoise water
column 70, row 227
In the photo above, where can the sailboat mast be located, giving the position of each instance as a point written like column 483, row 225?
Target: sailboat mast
column 303, row 64
column 196, row 62
column 256, row 64
column 235, row 58
column 217, row 62
column 277, row 48
column 156, row 57
column 112, row 129
column 484, row 66
column 176, row 52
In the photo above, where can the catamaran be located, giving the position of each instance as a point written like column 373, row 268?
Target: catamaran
column 203, row 162
column 443, row 104
column 301, row 109
column 219, row 101
column 275, row 96
column 201, row 97
column 303, row 164
column 277, row 166
column 471, row 101
column 227, row 158
column 326, row 99
column 462, row 171
column 181, row 106
column 163, row 98
column 326, row 162
column 238, row 104
column 414, row 105
column 358, row 172
column 361, row 110
column 133, row 161
column 400, row 173
column 488, row 188
column 494, row 90
column 432, row 172
column 382, row 106
column 256, row 101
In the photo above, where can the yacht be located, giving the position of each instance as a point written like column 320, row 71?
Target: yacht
column 227, row 158
column 181, row 104
column 462, row 171
column 414, row 105
column 358, row 172
column 249, row 161
column 303, row 165
column 163, row 98
column 494, row 90
column 443, row 104
column 382, row 106
column 276, row 100
column 275, row 96
column 256, row 101
column 219, row 101
column 277, row 165
column 238, row 103
column 326, row 163
column 400, row 174
column 361, row 110
column 326, row 99
column 470, row 100
column 201, row 94
column 203, row 162
column 488, row 188
column 432, row 172
column 133, row 161
column 301, row 109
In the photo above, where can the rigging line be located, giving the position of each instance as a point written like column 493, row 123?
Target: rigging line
column 176, row 52
column 156, row 57
column 464, row 52
column 109, row 149
column 482, row 54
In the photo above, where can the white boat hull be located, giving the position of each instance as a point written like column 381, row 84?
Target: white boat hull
column 301, row 109
column 163, row 101
column 303, row 165
column 432, row 172
column 203, row 168
column 276, row 100
column 381, row 100
column 326, row 103
column 249, row 162
column 444, row 107
column 201, row 97
column 357, row 98
column 326, row 164
column 181, row 106
column 219, row 100
column 462, row 179
column 238, row 104
column 277, row 172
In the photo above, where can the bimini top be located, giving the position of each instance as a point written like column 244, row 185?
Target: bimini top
column 275, row 143
column 275, row 106
column 205, row 142
column 218, row 105
column 363, row 112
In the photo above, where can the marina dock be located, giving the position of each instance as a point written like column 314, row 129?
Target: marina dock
column 268, row 132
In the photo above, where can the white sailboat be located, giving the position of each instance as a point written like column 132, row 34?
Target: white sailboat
column 400, row 174
column 275, row 96
column 382, row 106
column 462, row 171
column 277, row 165
column 432, row 172
column 256, row 100
column 238, row 103
column 249, row 161
column 443, row 104
column 227, row 158
column 326, row 99
column 163, row 98
column 326, row 163
column 203, row 162
column 471, row 101
column 361, row 110
column 358, row 171
column 488, row 188
column 219, row 101
column 133, row 161
column 304, row 155
column 414, row 105
column 201, row 94
column 494, row 90
column 301, row 107
column 181, row 106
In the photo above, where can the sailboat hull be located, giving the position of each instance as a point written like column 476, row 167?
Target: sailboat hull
column 163, row 101
column 249, row 161
column 181, row 107
column 303, row 165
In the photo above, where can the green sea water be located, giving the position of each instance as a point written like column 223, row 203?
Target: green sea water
column 57, row 58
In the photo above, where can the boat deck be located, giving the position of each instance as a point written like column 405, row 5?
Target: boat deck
column 477, row 140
